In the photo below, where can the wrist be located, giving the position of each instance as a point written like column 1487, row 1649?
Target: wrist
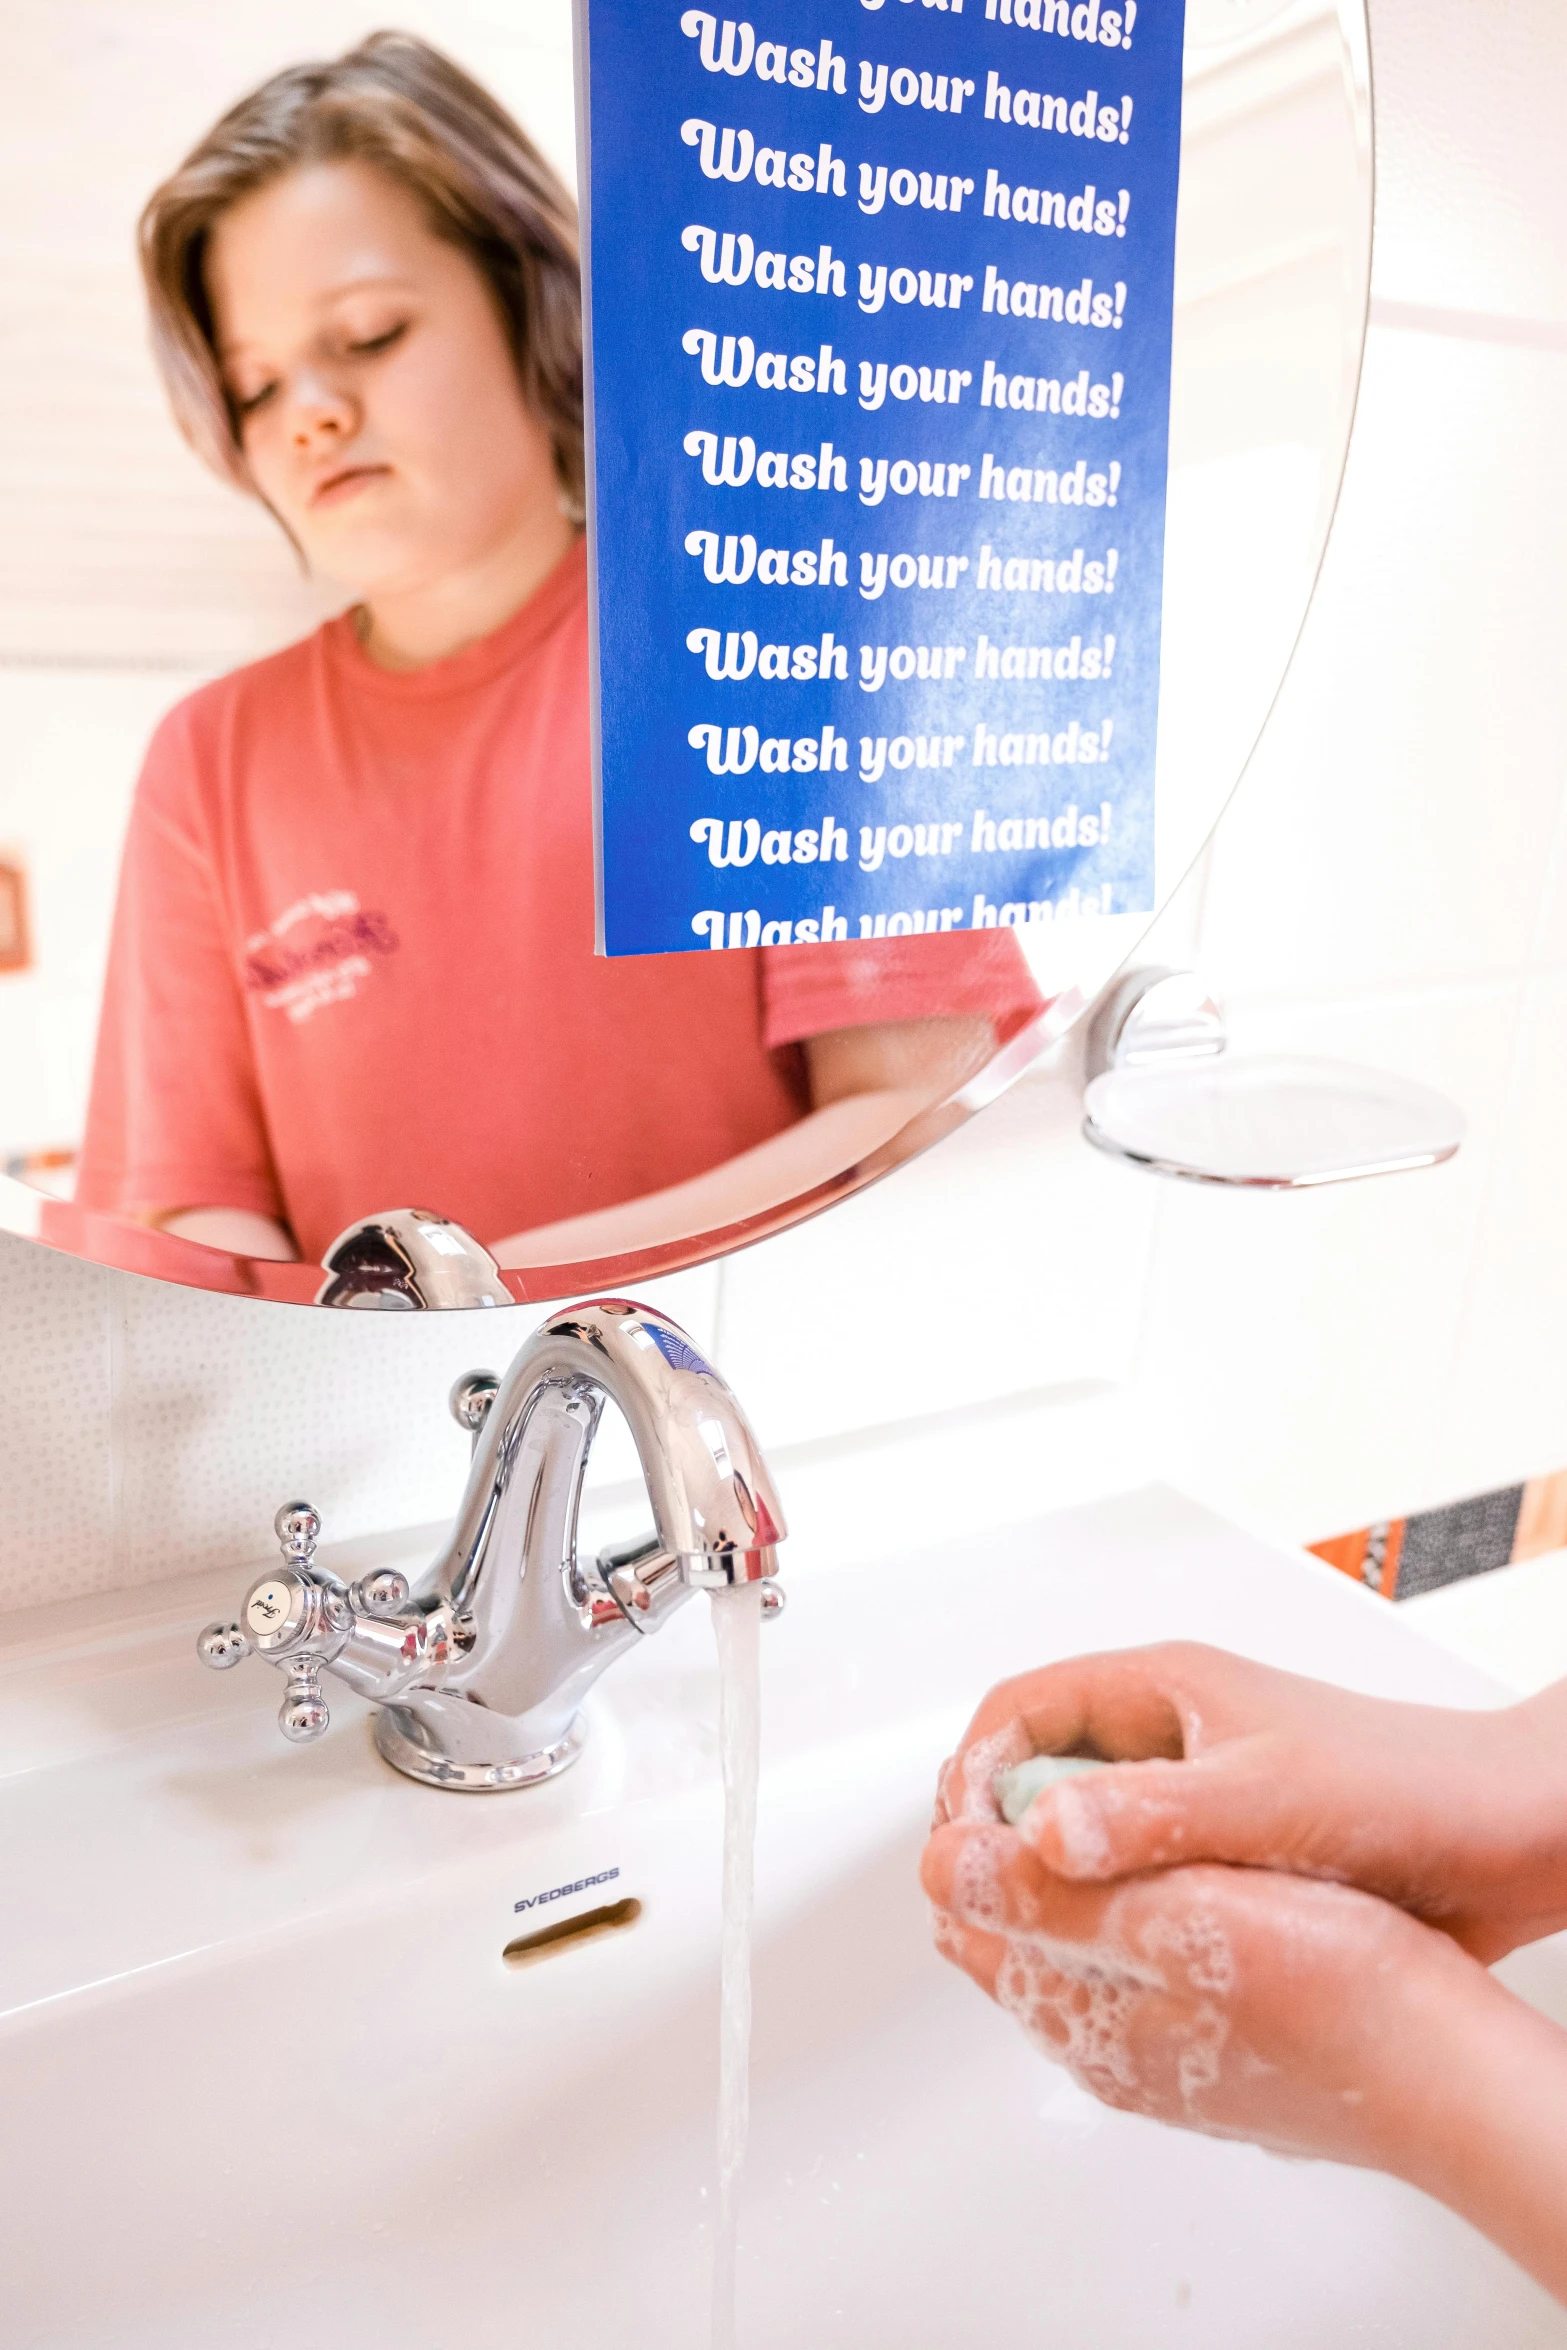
column 1533, row 1736
column 1478, row 2113
column 1523, row 1825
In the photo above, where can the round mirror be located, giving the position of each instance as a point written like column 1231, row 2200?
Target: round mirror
column 328, row 969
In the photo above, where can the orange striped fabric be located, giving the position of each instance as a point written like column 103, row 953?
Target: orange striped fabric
column 1400, row 1557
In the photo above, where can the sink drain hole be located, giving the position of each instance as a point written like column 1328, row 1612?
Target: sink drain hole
column 611, row 1919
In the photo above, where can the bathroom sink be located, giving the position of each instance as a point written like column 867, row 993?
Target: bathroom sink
column 268, row 2079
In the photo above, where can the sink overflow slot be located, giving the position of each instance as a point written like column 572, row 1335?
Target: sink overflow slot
column 593, row 1922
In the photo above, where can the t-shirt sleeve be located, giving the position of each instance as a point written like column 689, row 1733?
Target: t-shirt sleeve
column 808, row 990
column 174, row 1117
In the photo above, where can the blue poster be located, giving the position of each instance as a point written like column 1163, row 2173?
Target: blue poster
column 879, row 304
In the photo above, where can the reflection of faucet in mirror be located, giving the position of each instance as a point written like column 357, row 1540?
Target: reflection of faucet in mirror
column 479, row 1674
column 410, row 1260
column 353, row 958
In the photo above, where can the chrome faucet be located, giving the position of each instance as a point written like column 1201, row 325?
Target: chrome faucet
column 478, row 1674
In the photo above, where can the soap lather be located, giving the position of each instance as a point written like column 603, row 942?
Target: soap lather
column 1017, row 1788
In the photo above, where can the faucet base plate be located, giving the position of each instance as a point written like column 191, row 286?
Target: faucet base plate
column 419, row 1761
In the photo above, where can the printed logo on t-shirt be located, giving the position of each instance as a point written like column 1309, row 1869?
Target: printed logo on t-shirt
column 317, row 952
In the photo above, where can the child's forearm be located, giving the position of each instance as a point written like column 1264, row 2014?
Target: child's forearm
column 241, row 1231
column 1487, row 2133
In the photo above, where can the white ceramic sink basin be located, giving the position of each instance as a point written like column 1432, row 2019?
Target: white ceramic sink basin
column 267, row 2081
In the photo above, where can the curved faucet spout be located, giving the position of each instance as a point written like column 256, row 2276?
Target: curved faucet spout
column 713, row 1499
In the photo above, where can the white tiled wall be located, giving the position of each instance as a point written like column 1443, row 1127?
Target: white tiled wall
column 1014, row 1313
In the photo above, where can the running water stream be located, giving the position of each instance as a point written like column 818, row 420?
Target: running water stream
column 737, row 1624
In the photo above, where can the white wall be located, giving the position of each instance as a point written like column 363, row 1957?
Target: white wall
column 98, row 102
column 1015, row 1316
column 71, row 751
column 1390, row 882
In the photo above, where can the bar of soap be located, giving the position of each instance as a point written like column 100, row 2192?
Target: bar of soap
column 1017, row 1788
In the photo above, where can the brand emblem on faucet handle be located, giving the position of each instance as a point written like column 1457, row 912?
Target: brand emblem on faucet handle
column 271, row 1605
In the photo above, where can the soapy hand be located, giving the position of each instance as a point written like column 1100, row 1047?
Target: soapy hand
column 1265, row 2000
column 1460, row 1818
column 1229, row 2001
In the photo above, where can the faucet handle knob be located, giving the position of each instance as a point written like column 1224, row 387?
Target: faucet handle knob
column 470, row 1400
column 298, row 1529
column 303, row 1714
column 221, row 1645
column 379, row 1594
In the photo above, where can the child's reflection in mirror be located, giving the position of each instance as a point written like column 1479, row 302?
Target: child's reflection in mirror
column 352, row 964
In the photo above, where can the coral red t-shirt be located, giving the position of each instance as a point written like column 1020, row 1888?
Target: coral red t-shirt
column 352, row 965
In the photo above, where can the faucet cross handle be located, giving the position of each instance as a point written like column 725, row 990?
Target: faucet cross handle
column 299, row 1618
column 294, row 1617
column 273, row 1602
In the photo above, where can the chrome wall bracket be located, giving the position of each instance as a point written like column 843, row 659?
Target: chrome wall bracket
column 1164, row 1093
